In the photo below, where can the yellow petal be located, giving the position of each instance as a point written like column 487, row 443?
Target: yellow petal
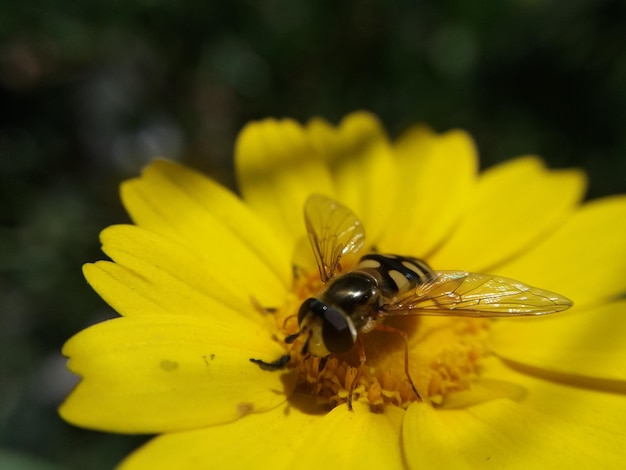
column 173, row 273
column 159, row 374
column 504, row 434
column 435, row 176
column 359, row 156
column 583, row 259
column 514, row 205
column 132, row 295
column 569, row 400
column 179, row 203
column 277, row 169
column 284, row 438
column 589, row 344
column 266, row 440
column 354, row 439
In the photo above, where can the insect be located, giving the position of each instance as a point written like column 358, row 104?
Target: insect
column 379, row 286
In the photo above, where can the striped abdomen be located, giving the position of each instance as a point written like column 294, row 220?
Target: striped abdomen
column 395, row 275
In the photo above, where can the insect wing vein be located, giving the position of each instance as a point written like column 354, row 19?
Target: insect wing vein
column 462, row 293
column 333, row 231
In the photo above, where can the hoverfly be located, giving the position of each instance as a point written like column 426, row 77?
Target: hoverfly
column 380, row 286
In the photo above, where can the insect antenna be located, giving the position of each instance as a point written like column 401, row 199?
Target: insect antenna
column 305, row 347
column 291, row 338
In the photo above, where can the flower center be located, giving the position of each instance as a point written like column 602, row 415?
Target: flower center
column 444, row 356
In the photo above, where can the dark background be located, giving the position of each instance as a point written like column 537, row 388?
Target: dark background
column 91, row 90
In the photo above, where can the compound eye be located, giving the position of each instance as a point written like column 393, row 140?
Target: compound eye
column 308, row 306
column 338, row 332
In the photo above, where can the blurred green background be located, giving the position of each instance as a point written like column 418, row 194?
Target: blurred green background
column 90, row 91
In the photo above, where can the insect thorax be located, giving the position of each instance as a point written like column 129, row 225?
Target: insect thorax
column 356, row 294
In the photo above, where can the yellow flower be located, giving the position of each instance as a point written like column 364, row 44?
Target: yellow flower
column 205, row 281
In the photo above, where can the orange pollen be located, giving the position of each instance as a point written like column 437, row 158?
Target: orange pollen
column 445, row 355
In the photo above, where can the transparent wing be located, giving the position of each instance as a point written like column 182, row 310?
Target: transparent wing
column 476, row 295
column 333, row 230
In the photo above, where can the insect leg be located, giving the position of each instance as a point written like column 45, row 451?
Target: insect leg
column 260, row 308
column 362, row 359
column 290, row 317
column 322, row 363
column 390, row 329
column 274, row 365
